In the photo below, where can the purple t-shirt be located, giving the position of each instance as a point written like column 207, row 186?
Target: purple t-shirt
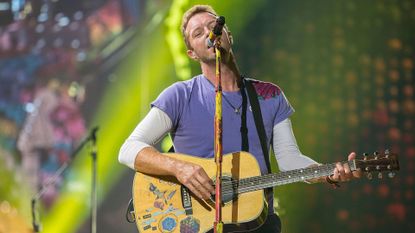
column 191, row 107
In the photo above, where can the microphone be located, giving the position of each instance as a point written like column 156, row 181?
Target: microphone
column 216, row 32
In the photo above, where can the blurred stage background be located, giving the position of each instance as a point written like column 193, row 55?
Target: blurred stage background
column 66, row 66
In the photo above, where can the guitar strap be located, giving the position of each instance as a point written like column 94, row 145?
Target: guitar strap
column 256, row 111
column 244, row 128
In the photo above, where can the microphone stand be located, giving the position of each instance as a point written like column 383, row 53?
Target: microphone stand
column 218, row 224
column 35, row 216
column 94, row 182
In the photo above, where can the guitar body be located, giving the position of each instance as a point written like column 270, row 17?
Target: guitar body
column 161, row 203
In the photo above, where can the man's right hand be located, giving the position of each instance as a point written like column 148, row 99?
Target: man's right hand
column 195, row 178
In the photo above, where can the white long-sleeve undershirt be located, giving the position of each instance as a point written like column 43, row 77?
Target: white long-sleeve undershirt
column 156, row 124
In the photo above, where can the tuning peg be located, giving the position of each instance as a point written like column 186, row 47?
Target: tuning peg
column 391, row 174
column 365, row 156
column 376, row 154
column 369, row 175
column 380, row 175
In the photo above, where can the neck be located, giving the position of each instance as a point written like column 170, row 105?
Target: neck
column 229, row 74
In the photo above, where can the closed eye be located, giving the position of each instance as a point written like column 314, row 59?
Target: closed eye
column 197, row 33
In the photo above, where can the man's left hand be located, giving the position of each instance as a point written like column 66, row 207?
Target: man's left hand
column 342, row 172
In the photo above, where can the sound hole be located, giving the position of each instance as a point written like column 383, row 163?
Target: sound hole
column 229, row 190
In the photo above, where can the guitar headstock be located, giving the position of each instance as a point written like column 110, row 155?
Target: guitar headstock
column 378, row 163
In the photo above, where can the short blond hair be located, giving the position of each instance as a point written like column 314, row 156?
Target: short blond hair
column 196, row 9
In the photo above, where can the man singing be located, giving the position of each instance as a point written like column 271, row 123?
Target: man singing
column 186, row 110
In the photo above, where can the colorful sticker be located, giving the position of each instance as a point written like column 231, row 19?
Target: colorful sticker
column 189, row 225
column 168, row 210
column 179, row 212
column 168, row 223
column 157, row 192
column 159, row 205
column 171, row 194
column 148, row 221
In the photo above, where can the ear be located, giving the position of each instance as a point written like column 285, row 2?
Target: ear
column 192, row 55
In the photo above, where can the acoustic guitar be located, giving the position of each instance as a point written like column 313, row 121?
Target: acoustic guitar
column 162, row 204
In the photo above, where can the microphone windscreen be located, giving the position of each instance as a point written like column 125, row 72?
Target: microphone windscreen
column 220, row 21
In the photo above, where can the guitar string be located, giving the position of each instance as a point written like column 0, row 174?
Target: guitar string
column 240, row 185
column 229, row 189
column 246, row 184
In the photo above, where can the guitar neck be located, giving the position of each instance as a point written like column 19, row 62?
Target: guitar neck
column 287, row 177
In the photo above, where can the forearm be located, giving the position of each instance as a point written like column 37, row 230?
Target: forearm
column 287, row 153
column 151, row 161
column 289, row 156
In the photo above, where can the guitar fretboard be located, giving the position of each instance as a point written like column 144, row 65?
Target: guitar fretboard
column 287, row 177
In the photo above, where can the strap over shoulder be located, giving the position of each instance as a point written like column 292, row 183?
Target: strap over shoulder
column 256, row 111
column 264, row 90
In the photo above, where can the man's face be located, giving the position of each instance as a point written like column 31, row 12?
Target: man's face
column 197, row 31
